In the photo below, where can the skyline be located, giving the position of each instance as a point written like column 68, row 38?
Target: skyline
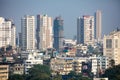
column 69, row 12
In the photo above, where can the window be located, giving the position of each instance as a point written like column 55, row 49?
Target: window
column 116, row 43
column 108, row 43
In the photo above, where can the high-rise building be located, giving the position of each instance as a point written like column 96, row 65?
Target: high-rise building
column 85, row 30
column 98, row 25
column 28, row 32
column 58, row 33
column 7, row 32
column 111, row 46
column 20, row 39
column 13, row 35
column 44, row 32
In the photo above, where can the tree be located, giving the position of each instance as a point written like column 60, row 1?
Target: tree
column 16, row 77
column 112, row 62
column 90, row 49
column 40, row 72
column 74, row 76
column 57, row 77
column 113, row 73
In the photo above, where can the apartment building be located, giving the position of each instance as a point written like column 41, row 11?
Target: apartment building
column 4, row 72
column 111, row 46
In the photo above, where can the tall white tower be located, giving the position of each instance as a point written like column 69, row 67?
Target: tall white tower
column 28, row 32
column 98, row 25
column 7, row 32
column 44, row 32
column 13, row 35
column 85, row 30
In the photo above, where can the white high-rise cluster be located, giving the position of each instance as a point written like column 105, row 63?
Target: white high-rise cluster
column 7, row 33
column 28, row 32
column 44, row 32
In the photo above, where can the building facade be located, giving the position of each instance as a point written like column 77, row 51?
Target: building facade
column 98, row 25
column 85, row 30
column 13, row 35
column 44, row 32
column 4, row 72
column 20, row 39
column 18, row 68
column 58, row 33
column 28, row 32
column 111, row 46
column 99, row 64
column 33, row 58
column 7, row 32
column 61, row 65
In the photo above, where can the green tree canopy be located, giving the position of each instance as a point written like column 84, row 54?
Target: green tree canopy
column 16, row 77
column 77, row 76
column 113, row 73
column 39, row 72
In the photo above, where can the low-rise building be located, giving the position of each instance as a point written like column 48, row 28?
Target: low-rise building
column 61, row 65
column 100, row 79
column 77, row 65
column 81, row 49
column 99, row 64
column 33, row 58
column 4, row 72
column 64, row 65
column 18, row 68
column 71, row 52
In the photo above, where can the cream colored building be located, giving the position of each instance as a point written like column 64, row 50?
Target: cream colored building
column 61, row 65
column 44, row 32
column 28, row 32
column 85, row 30
column 18, row 68
column 13, row 35
column 7, row 32
column 111, row 46
column 78, row 64
column 98, row 25
column 64, row 65
column 4, row 71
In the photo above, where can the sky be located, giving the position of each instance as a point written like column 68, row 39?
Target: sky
column 69, row 10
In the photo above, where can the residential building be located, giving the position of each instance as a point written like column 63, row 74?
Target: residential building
column 58, row 33
column 100, row 79
column 7, row 33
column 18, row 68
column 61, row 65
column 13, row 35
column 64, row 65
column 81, row 49
column 44, row 32
column 111, row 46
column 99, row 64
column 103, row 63
column 4, row 72
column 98, row 25
column 69, row 42
column 77, row 64
column 85, row 30
column 33, row 58
column 71, row 52
column 28, row 32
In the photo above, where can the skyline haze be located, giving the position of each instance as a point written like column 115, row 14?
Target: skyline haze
column 69, row 12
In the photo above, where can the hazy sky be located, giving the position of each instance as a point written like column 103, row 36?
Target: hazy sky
column 68, row 9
